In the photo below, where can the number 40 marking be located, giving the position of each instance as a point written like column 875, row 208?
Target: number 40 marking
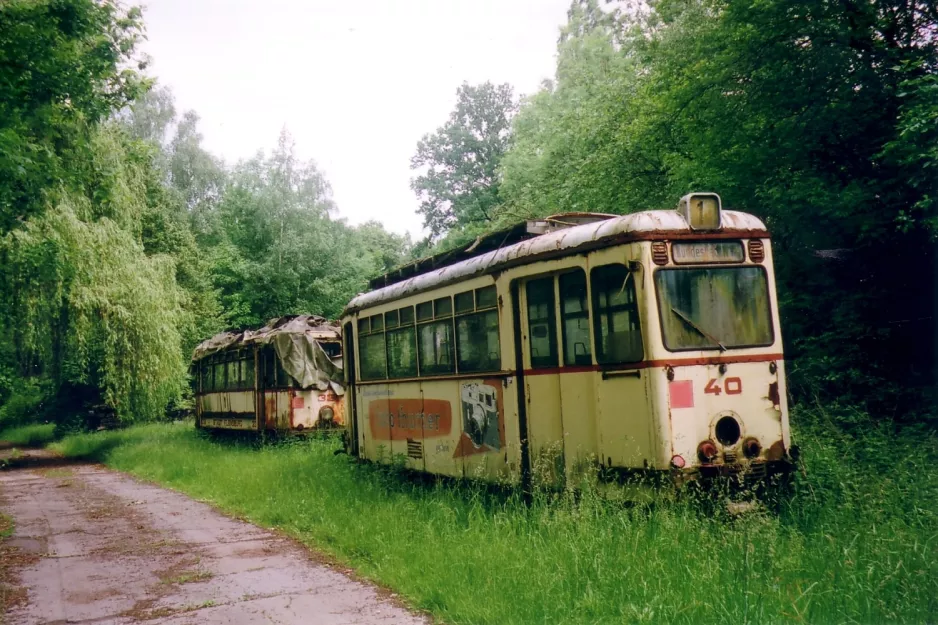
column 732, row 386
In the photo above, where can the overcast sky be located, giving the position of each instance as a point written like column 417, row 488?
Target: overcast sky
column 356, row 83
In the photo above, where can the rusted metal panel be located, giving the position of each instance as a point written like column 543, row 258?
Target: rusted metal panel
column 270, row 410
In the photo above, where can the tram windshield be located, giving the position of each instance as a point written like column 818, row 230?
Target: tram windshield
column 714, row 307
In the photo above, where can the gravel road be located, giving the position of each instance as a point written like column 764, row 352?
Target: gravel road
column 96, row 546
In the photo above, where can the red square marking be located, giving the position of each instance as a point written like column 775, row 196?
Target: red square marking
column 682, row 393
column 298, row 402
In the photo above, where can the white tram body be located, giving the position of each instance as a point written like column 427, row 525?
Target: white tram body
column 644, row 342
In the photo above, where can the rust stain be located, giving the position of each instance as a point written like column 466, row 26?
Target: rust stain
column 270, row 410
column 776, row 451
column 338, row 408
column 773, row 394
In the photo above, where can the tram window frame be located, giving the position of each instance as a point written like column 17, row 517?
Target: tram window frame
column 284, row 379
column 248, row 377
column 368, row 347
column 218, row 375
column 552, row 358
column 424, row 311
column 394, row 356
column 582, row 317
column 431, row 329
column 481, row 317
column 605, row 314
column 205, row 373
column 233, row 367
column 269, row 368
column 464, row 302
column 666, row 339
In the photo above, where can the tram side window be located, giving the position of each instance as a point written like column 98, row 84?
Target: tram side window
column 615, row 312
column 234, row 375
column 477, row 346
column 435, row 339
column 541, row 323
column 402, row 343
column 268, row 368
column 247, row 369
column 218, row 383
column 283, row 378
column 206, row 371
column 574, row 314
column 373, row 355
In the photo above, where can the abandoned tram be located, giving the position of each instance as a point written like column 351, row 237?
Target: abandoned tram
column 648, row 341
column 284, row 377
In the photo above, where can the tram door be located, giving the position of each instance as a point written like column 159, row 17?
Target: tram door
column 624, row 416
column 540, row 360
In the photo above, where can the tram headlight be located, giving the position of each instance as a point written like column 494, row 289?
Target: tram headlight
column 326, row 413
column 707, row 451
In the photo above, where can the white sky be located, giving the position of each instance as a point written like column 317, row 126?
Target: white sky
column 357, row 84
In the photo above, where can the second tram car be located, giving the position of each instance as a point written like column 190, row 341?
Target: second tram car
column 284, row 377
column 644, row 342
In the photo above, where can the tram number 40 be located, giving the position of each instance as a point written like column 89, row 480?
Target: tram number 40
column 732, row 386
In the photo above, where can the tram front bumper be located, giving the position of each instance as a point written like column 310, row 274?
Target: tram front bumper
column 749, row 472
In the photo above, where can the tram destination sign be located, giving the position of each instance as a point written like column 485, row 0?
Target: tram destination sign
column 691, row 252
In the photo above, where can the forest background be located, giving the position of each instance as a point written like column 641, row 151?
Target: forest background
column 123, row 242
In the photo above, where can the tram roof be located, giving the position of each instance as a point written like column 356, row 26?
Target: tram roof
column 543, row 239
column 312, row 326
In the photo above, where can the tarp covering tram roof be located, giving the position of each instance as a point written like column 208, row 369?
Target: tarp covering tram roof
column 295, row 339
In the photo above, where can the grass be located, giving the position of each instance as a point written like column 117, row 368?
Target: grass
column 29, row 435
column 856, row 542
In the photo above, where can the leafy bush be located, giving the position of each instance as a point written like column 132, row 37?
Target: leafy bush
column 26, row 404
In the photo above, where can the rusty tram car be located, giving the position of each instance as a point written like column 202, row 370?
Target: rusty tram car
column 285, row 377
column 644, row 342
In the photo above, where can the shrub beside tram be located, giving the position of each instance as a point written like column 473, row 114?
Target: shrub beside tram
column 646, row 342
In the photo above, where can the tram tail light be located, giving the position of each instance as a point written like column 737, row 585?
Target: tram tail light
column 707, row 451
column 677, row 461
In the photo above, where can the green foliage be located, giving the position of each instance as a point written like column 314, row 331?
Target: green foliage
column 276, row 249
column 85, row 307
column 855, row 541
column 24, row 403
column 86, row 302
column 63, row 69
column 458, row 184
column 124, row 242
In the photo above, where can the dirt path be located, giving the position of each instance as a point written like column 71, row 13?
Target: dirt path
column 95, row 546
